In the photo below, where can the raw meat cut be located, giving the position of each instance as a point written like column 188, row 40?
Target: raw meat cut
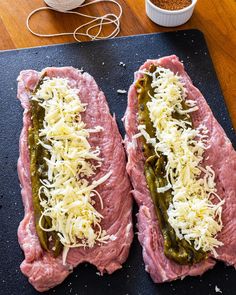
column 220, row 155
column 44, row 271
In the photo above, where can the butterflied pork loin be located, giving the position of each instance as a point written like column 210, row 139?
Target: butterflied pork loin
column 43, row 270
column 220, row 155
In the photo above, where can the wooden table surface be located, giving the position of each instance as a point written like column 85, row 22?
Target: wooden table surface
column 216, row 19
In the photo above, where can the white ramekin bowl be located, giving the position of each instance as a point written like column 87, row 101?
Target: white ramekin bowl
column 169, row 18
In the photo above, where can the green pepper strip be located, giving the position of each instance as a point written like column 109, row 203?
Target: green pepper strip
column 38, row 170
column 175, row 249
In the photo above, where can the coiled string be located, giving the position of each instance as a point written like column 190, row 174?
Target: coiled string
column 63, row 5
column 95, row 21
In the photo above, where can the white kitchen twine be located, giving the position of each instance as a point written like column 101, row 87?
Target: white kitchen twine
column 64, row 4
column 95, row 22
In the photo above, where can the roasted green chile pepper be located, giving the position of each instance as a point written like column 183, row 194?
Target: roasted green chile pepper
column 38, row 170
column 175, row 249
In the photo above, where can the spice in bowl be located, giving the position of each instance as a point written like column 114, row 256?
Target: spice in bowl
column 170, row 13
column 172, row 4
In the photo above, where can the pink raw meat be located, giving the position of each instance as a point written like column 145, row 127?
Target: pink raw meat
column 220, row 155
column 44, row 271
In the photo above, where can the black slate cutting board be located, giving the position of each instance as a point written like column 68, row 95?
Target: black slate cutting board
column 102, row 60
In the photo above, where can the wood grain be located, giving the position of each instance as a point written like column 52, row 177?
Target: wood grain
column 216, row 19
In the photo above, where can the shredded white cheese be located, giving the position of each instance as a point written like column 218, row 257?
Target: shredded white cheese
column 192, row 214
column 69, row 194
column 217, row 289
column 122, row 64
column 121, row 91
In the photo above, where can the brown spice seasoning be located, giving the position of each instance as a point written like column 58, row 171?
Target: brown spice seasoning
column 172, row 4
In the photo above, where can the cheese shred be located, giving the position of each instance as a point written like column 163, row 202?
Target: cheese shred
column 68, row 194
column 195, row 211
